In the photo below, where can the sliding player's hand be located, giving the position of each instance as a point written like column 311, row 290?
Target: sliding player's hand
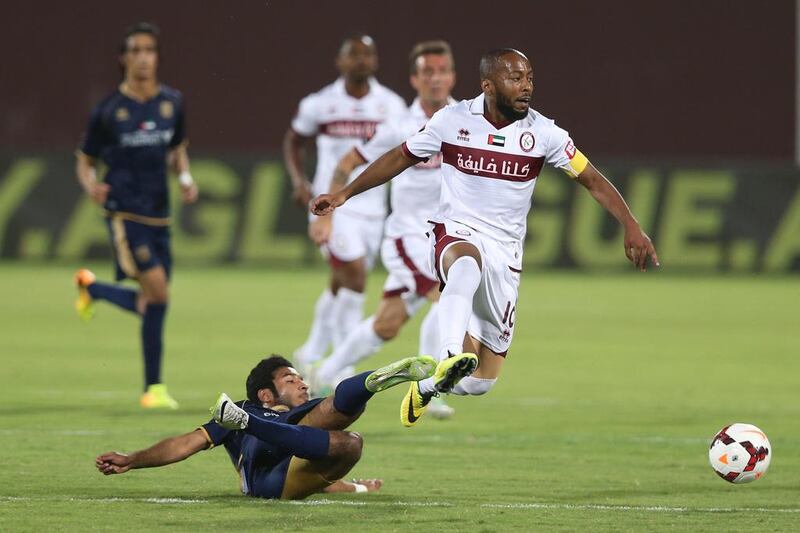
column 113, row 463
column 324, row 204
column 373, row 485
column 319, row 230
column 639, row 248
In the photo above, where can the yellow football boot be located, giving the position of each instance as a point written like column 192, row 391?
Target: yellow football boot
column 157, row 397
column 448, row 373
column 84, row 305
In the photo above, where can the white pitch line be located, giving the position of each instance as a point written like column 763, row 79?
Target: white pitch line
column 533, row 506
column 637, row 508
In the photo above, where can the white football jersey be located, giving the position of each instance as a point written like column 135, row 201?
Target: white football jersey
column 415, row 192
column 488, row 174
column 340, row 122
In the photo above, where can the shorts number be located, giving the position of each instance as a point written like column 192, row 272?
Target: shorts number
column 508, row 315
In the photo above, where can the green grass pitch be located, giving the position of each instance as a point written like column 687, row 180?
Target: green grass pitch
column 601, row 419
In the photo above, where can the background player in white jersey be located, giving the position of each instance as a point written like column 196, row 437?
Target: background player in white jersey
column 493, row 148
column 340, row 116
column 414, row 199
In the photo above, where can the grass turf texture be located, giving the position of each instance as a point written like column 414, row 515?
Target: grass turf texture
column 601, row 419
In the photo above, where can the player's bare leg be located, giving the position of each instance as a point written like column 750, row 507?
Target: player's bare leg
column 152, row 306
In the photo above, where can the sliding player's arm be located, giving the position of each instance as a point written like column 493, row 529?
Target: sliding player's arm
column 168, row 451
column 86, row 171
column 379, row 172
column 320, row 228
column 638, row 247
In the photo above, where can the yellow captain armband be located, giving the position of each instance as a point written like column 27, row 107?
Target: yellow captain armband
column 577, row 164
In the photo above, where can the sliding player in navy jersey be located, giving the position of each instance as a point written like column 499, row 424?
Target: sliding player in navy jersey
column 282, row 444
column 137, row 132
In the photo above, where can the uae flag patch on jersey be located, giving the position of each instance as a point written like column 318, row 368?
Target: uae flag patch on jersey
column 497, row 140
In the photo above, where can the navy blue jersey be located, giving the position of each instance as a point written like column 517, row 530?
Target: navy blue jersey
column 248, row 454
column 133, row 139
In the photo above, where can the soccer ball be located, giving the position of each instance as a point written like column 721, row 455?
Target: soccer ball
column 740, row 453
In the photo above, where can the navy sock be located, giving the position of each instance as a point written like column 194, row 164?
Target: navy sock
column 120, row 296
column 303, row 441
column 152, row 341
column 351, row 395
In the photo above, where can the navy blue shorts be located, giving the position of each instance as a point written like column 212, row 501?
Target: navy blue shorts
column 138, row 247
column 265, row 481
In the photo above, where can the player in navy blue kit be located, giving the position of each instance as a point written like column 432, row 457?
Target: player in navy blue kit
column 282, row 444
column 137, row 132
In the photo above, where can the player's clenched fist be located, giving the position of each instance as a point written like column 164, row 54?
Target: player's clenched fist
column 324, row 204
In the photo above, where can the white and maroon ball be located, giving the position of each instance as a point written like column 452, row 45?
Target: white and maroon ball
column 740, row 453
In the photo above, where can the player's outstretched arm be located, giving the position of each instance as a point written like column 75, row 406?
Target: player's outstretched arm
column 379, row 172
column 320, row 228
column 638, row 247
column 166, row 452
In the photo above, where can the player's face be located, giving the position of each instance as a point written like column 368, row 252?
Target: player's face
column 141, row 57
column 292, row 390
column 513, row 86
column 434, row 78
column 358, row 59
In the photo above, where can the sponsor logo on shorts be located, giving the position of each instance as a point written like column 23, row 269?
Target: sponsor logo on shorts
column 505, row 336
column 526, row 141
column 142, row 253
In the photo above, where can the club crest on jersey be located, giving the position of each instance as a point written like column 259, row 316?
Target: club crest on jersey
column 526, row 141
column 463, row 135
column 497, row 140
column 121, row 114
column 166, row 109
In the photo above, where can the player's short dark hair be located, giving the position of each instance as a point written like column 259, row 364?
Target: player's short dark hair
column 491, row 59
column 439, row 48
column 356, row 37
column 140, row 27
column 262, row 376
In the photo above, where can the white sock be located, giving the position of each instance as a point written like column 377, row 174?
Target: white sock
column 321, row 335
column 348, row 313
column 429, row 332
column 455, row 305
column 473, row 386
column 360, row 343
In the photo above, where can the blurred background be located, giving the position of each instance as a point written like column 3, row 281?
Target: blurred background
column 689, row 107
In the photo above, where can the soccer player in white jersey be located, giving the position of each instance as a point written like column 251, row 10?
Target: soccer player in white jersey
column 493, row 148
column 414, row 200
column 340, row 116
